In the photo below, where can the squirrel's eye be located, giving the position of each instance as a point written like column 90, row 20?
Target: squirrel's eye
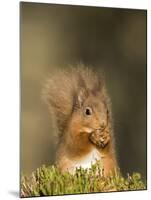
column 88, row 111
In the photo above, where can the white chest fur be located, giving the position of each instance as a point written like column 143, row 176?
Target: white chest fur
column 88, row 160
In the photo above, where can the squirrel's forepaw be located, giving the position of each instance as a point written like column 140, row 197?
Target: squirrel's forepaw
column 104, row 139
column 100, row 139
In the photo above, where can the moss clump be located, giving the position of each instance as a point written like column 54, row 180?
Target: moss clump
column 50, row 181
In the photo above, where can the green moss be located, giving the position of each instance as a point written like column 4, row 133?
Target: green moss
column 50, row 181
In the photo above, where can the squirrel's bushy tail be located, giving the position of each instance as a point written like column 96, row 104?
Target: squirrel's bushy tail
column 62, row 88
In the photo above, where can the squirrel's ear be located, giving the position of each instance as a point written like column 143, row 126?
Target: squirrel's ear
column 81, row 97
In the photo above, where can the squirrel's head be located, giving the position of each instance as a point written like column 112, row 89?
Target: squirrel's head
column 90, row 114
column 93, row 112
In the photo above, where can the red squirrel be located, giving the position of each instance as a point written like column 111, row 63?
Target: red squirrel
column 78, row 99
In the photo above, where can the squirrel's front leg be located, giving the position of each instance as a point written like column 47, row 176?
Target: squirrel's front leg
column 103, row 142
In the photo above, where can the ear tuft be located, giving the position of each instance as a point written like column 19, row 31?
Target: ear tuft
column 82, row 95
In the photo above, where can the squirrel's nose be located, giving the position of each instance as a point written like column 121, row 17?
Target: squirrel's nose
column 102, row 125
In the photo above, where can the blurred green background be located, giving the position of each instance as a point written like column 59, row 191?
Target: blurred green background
column 113, row 40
